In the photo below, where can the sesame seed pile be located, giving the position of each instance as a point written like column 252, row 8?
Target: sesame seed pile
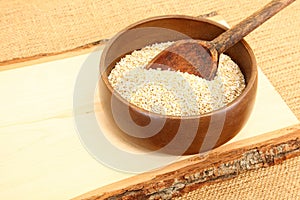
column 173, row 92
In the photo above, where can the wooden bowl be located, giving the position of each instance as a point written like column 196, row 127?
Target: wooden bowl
column 173, row 134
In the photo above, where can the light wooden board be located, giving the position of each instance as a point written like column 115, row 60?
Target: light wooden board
column 219, row 165
column 41, row 155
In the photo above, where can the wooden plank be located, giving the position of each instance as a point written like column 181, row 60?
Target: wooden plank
column 40, row 147
column 217, row 165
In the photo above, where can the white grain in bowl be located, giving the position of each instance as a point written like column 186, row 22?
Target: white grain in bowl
column 174, row 93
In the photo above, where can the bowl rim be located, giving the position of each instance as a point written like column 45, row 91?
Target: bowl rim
column 251, row 82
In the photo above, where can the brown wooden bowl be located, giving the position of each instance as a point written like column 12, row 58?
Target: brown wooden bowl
column 173, row 134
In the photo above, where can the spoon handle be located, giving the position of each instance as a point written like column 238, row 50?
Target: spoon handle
column 239, row 31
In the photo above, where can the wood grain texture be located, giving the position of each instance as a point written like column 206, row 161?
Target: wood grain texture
column 186, row 56
column 41, row 154
column 280, row 181
column 221, row 164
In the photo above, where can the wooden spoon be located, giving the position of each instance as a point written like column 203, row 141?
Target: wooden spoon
column 200, row 57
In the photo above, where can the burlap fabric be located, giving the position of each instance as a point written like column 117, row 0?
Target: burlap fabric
column 277, row 182
column 39, row 28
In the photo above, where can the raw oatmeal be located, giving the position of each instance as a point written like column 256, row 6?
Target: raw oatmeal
column 173, row 92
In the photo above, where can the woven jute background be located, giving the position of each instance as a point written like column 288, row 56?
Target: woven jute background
column 39, row 28
column 277, row 182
